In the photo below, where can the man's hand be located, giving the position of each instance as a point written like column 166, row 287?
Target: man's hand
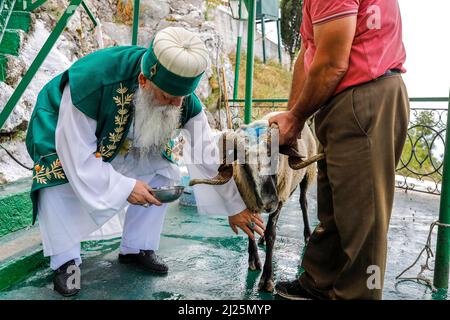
column 290, row 127
column 247, row 221
column 142, row 194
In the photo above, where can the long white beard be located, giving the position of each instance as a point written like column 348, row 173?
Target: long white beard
column 154, row 123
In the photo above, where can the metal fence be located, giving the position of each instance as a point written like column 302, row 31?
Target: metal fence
column 43, row 52
column 260, row 107
column 421, row 165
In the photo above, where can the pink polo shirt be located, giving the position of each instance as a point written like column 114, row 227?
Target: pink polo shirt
column 378, row 45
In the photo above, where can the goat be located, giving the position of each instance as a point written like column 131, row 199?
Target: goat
column 267, row 192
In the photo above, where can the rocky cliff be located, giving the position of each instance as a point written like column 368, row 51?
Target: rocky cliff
column 115, row 17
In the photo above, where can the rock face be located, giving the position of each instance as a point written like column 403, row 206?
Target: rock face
column 78, row 40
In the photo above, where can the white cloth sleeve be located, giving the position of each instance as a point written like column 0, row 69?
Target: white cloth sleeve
column 101, row 190
column 200, row 155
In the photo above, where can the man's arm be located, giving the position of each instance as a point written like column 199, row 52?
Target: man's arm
column 333, row 41
column 298, row 78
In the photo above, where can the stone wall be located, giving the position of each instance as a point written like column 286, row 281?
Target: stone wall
column 217, row 30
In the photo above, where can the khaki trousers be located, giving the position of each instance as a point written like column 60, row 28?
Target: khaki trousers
column 362, row 132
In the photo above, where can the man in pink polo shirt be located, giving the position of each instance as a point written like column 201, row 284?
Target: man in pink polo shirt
column 349, row 72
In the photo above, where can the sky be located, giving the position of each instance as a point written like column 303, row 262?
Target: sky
column 426, row 35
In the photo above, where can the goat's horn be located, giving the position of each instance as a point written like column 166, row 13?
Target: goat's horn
column 223, row 146
column 288, row 150
column 225, row 174
column 274, row 126
column 297, row 163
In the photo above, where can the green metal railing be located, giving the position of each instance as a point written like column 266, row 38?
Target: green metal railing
column 135, row 21
column 30, row 5
column 6, row 8
column 421, row 157
column 250, row 60
column 260, row 107
column 442, row 261
column 244, row 106
column 238, row 50
column 421, row 165
column 90, row 15
column 45, row 50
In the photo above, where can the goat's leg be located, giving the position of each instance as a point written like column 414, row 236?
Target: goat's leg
column 253, row 257
column 261, row 241
column 304, row 207
column 266, row 282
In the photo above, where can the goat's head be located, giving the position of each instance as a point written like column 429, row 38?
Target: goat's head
column 252, row 159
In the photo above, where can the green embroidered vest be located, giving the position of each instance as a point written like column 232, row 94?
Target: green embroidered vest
column 102, row 86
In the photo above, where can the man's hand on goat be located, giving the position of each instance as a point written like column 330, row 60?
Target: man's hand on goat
column 245, row 220
column 290, row 127
column 142, row 194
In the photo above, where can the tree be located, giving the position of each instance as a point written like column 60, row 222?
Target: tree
column 291, row 19
column 423, row 151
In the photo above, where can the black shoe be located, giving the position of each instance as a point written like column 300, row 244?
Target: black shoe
column 146, row 258
column 293, row 290
column 63, row 280
column 128, row 258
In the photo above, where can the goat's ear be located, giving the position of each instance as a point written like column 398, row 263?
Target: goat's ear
column 291, row 151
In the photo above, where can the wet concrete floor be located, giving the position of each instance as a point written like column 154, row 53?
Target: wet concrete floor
column 207, row 261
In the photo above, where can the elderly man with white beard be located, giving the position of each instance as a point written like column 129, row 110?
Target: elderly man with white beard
column 100, row 140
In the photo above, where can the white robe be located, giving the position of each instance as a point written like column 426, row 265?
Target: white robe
column 93, row 205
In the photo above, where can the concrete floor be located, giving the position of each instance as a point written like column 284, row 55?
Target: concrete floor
column 208, row 262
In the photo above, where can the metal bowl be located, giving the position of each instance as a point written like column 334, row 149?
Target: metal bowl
column 168, row 194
